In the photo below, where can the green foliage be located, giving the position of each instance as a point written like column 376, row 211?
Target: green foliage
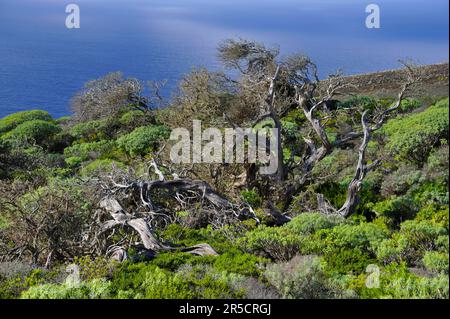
column 429, row 193
column 74, row 161
column 182, row 235
column 90, row 131
column 143, row 140
column 434, row 213
column 310, row 223
column 397, row 208
column 232, row 261
column 401, row 180
column 10, row 122
column 151, row 282
column 87, row 151
column 272, row 242
column 133, row 119
column 96, row 289
column 411, row 242
column 396, row 282
column 251, row 197
column 436, row 262
column 363, row 236
column 345, row 260
column 91, row 269
column 412, row 137
column 33, row 132
column 18, row 280
column 283, row 243
column 362, row 102
column 63, row 120
column 235, row 261
column 173, row 260
column 101, row 166
column 409, row 105
column 303, row 277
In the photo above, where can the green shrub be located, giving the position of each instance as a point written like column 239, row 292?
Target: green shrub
column 74, row 161
column 274, row 242
column 309, row 223
column 90, row 131
column 91, row 269
column 251, row 197
column 437, row 168
column 400, row 181
column 436, row 262
column 396, row 282
column 412, row 137
column 235, row 261
column 96, row 289
column 283, row 243
column 91, row 150
column 397, row 208
column 430, row 193
column 63, row 120
column 442, row 243
column 364, row 236
column 302, row 277
column 31, row 132
column 101, row 166
column 10, row 122
column 143, row 140
column 160, row 284
column 133, row 119
column 173, row 260
column 149, row 281
column 207, row 283
column 359, row 101
column 17, row 277
column 410, row 244
column 409, row 105
column 345, row 260
column 186, row 236
column 435, row 213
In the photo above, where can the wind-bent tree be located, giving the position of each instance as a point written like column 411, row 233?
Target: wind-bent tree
column 279, row 86
column 113, row 93
column 270, row 88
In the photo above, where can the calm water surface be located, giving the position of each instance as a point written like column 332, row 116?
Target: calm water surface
column 42, row 64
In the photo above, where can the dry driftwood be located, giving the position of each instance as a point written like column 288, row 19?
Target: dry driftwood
column 190, row 195
column 141, row 226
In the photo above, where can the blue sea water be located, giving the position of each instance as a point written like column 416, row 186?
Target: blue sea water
column 43, row 64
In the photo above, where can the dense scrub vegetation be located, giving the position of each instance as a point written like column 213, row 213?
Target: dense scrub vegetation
column 395, row 244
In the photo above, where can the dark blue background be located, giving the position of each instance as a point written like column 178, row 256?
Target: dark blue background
column 42, row 64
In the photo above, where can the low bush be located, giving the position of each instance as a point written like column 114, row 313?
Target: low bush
column 33, row 132
column 363, row 236
column 96, row 289
column 271, row 242
column 396, row 282
column 10, row 122
column 87, row 151
column 436, row 262
column 345, row 261
column 410, row 244
column 412, row 137
column 143, row 140
column 302, row 277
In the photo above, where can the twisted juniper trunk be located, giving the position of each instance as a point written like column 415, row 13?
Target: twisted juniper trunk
column 148, row 238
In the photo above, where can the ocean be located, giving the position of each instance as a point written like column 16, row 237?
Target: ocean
column 43, row 63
